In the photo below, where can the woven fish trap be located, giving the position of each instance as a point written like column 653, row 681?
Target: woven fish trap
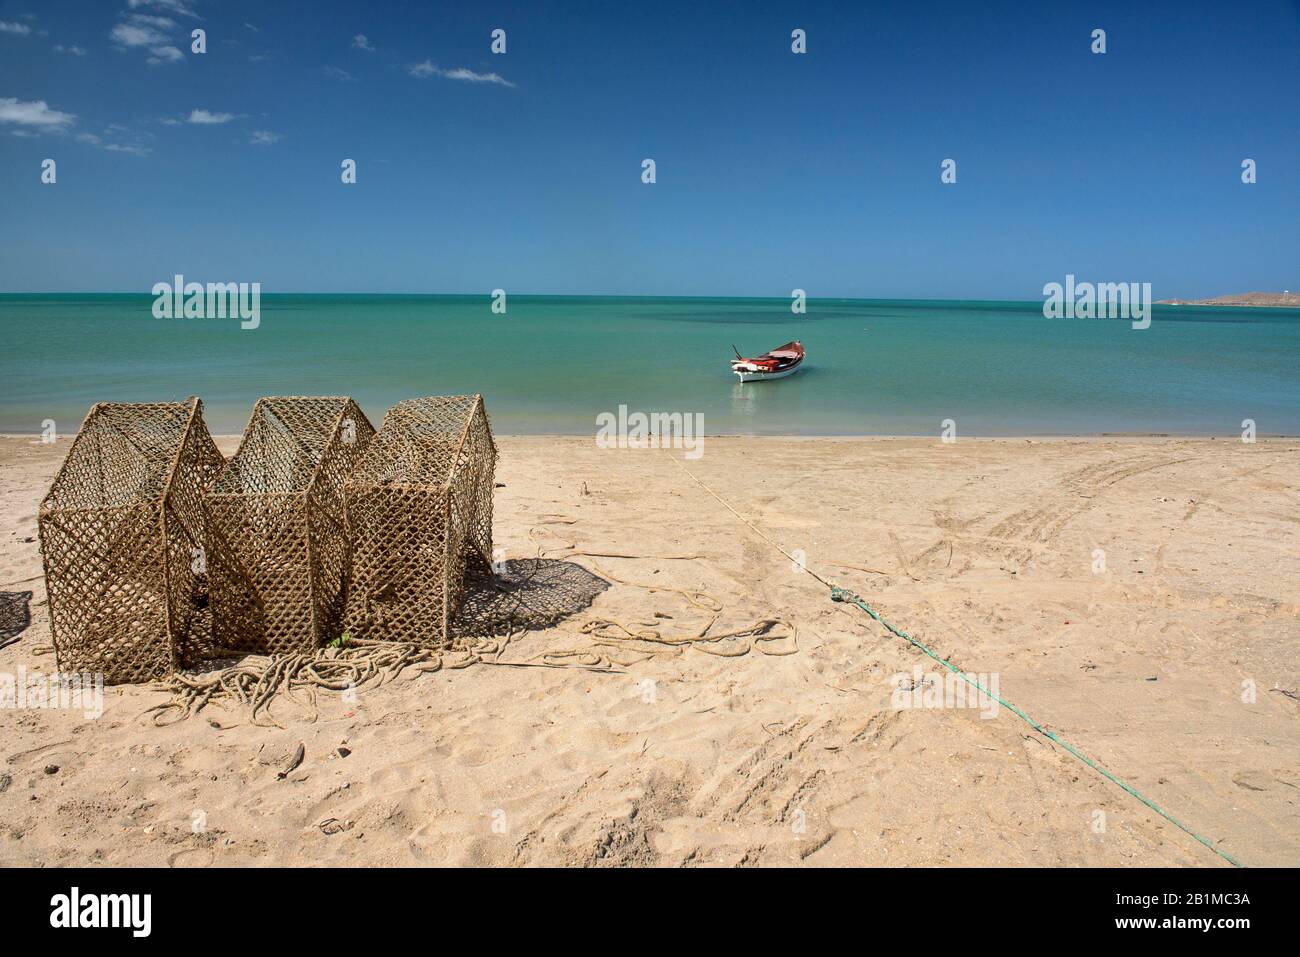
column 123, row 533
column 278, row 558
column 420, row 519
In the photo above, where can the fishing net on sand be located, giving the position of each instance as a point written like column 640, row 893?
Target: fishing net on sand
column 420, row 520
column 122, row 531
column 278, row 553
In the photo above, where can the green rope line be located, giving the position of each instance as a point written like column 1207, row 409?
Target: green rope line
column 841, row 594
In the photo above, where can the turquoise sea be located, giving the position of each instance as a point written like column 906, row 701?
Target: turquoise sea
column 552, row 364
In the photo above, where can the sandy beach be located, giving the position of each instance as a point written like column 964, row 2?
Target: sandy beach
column 986, row 550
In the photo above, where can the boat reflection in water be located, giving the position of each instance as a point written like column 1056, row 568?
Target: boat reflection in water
column 743, row 401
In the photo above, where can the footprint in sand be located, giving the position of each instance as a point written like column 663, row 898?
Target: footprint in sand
column 192, row 857
column 1251, row 780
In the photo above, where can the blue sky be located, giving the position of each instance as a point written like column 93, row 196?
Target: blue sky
column 774, row 170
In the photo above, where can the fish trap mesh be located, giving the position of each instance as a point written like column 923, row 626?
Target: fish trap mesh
column 122, row 536
column 278, row 557
column 420, row 519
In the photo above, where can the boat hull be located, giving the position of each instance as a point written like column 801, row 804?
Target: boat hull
column 766, row 376
column 780, row 362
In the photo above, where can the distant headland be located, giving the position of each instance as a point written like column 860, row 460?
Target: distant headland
column 1286, row 299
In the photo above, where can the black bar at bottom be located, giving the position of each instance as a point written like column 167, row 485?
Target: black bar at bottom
column 339, row 907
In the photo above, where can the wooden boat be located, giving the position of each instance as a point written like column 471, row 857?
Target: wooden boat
column 777, row 364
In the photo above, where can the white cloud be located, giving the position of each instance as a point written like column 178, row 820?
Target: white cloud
column 72, row 50
column 206, row 118
column 144, row 19
column 336, row 73
column 181, row 7
column 115, row 131
column 359, row 42
column 136, row 35
column 165, row 55
column 265, row 138
column 427, row 68
column 7, row 26
column 460, row 73
column 128, row 148
column 251, row 27
column 147, row 30
column 33, row 113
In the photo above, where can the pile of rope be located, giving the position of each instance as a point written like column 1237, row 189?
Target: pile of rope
column 256, row 681
column 356, row 663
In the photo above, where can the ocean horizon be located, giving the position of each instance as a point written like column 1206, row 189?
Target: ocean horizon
column 552, row 364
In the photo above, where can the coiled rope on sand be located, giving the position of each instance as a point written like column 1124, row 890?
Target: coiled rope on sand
column 357, row 663
column 255, row 682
